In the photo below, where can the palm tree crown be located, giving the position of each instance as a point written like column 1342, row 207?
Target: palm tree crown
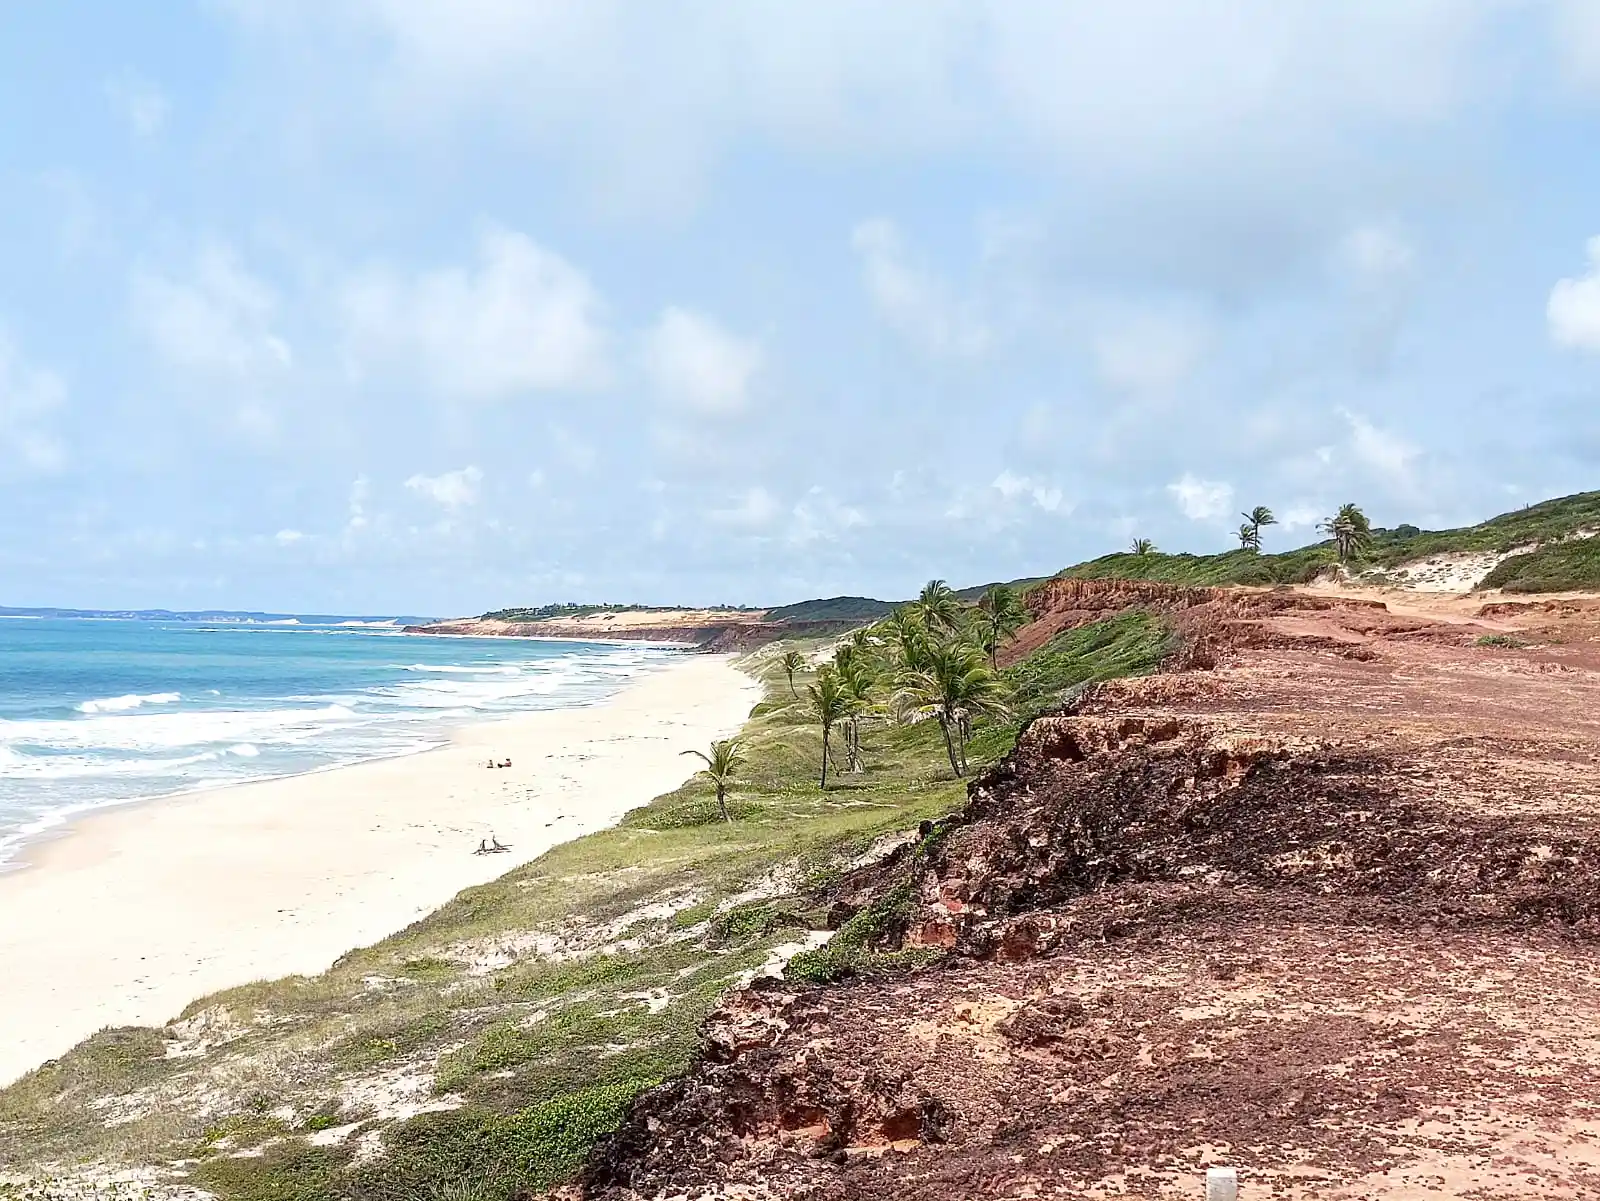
column 1143, row 546
column 938, row 606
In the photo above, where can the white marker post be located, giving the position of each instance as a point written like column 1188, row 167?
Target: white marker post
column 1222, row 1184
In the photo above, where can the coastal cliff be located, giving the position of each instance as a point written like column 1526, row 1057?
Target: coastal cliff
column 701, row 629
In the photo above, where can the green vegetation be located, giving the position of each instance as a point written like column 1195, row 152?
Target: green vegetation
column 1142, row 547
column 834, row 608
column 1130, row 644
column 530, row 1027
column 1571, row 565
column 1502, row 640
column 722, row 764
column 1242, row 566
column 793, row 661
column 1002, row 616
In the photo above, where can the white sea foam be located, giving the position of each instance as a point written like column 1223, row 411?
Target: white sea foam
column 132, row 700
column 172, row 731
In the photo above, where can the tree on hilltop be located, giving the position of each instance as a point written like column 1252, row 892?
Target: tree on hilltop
column 1255, row 519
column 1350, row 530
column 1143, row 546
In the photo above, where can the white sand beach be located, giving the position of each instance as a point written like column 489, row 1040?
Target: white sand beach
column 136, row 911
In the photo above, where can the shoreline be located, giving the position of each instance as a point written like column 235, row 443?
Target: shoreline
column 127, row 913
column 16, row 845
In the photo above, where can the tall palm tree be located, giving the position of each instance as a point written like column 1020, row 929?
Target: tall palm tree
column 1249, row 537
column 1003, row 616
column 856, row 681
column 1143, row 546
column 829, row 705
column 793, row 661
column 939, row 607
column 1258, row 517
column 721, row 764
column 956, row 686
column 1350, row 530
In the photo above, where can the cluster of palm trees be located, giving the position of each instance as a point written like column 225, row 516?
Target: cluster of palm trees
column 933, row 658
column 1349, row 528
column 1254, row 520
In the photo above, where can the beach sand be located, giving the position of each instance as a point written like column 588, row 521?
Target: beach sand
column 137, row 911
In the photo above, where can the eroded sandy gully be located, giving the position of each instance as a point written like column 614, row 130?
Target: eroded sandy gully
column 1328, row 911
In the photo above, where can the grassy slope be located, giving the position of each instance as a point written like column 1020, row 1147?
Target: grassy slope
column 1554, row 566
column 544, row 1045
column 833, row 608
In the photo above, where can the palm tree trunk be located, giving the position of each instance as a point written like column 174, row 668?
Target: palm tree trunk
column 949, row 746
column 722, row 802
column 792, row 692
column 824, row 783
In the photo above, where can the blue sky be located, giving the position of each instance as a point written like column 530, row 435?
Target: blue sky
column 387, row 305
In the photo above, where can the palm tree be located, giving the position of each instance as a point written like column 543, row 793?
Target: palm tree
column 1258, row 517
column 829, row 705
column 1350, row 530
column 1249, row 537
column 855, row 680
column 1143, row 546
column 938, row 606
column 1003, row 616
column 725, row 759
column 793, row 661
column 956, row 686
column 908, row 633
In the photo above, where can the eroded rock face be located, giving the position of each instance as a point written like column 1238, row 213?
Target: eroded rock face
column 1333, row 920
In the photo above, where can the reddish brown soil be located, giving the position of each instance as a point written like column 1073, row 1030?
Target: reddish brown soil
column 1329, row 913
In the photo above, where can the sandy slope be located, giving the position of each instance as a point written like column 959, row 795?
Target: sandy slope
column 138, row 911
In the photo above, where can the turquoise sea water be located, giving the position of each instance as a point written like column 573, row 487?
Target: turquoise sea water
column 96, row 712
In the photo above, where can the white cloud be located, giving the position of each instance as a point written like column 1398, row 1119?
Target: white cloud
column 1378, row 252
column 214, row 316
column 360, row 490
column 754, row 509
column 138, row 102
column 820, row 517
column 1148, row 352
column 915, row 303
column 1574, row 307
column 699, row 365
column 1202, row 500
column 288, row 537
column 1145, row 81
column 1300, row 517
column 1043, row 495
column 521, row 319
column 28, row 397
column 1383, row 450
column 452, row 490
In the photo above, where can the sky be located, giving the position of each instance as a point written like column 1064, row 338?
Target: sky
column 396, row 306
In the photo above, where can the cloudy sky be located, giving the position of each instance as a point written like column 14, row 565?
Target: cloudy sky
column 378, row 305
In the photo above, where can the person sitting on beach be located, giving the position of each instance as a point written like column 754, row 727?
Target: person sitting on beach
column 483, row 847
column 498, row 845
column 507, row 763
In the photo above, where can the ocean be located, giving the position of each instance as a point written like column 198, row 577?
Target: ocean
column 98, row 712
